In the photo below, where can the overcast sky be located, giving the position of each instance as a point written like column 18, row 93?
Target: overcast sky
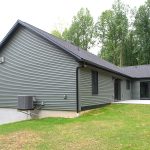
column 51, row 14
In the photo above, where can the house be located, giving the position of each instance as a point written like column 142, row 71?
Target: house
column 62, row 78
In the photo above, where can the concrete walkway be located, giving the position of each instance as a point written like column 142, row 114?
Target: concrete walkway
column 133, row 102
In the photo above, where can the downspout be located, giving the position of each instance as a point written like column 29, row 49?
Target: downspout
column 77, row 86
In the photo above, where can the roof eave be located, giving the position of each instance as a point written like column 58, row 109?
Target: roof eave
column 9, row 34
column 78, row 58
column 19, row 23
column 107, row 69
column 139, row 78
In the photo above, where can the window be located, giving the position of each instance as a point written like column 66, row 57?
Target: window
column 94, row 82
column 128, row 84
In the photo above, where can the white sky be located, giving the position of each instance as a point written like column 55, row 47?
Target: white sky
column 51, row 14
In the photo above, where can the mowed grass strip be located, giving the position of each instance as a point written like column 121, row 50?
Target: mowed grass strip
column 114, row 127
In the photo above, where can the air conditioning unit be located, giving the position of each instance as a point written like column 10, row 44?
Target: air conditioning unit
column 25, row 103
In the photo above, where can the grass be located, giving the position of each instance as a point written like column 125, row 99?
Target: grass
column 114, row 127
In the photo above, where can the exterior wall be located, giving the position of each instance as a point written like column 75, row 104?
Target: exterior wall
column 35, row 67
column 136, row 89
column 105, row 88
column 125, row 93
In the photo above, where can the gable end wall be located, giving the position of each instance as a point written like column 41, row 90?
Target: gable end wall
column 35, row 67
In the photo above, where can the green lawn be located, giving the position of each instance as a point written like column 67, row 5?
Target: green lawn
column 117, row 126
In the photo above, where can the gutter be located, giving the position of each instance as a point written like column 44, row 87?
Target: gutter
column 77, row 86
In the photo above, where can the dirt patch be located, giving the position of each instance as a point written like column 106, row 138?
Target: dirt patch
column 82, row 144
column 19, row 140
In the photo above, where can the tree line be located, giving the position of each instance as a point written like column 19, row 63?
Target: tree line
column 121, row 33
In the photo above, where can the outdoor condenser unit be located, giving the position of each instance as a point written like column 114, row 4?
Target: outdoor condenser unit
column 25, row 103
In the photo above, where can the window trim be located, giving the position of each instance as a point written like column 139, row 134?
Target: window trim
column 94, row 86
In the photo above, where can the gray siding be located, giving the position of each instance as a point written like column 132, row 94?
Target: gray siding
column 136, row 90
column 105, row 88
column 35, row 67
column 125, row 93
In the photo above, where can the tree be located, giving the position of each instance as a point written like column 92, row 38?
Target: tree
column 124, row 40
column 121, row 25
column 105, row 33
column 130, row 54
column 142, row 33
column 112, row 31
column 81, row 30
column 57, row 33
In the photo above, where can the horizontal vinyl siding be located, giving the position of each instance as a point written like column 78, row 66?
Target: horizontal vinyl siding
column 136, row 90
column 105, row 88
column 35, row 67
column 125, row 93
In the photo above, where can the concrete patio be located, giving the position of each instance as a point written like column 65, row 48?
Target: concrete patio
column 133, row 102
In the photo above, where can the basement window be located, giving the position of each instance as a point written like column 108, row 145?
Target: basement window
column 128, row 84
column 94, row 82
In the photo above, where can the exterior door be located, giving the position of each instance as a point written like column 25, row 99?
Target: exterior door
column 145, row 90
column 117, row 89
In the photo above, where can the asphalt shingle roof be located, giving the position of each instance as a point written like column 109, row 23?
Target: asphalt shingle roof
column 141, row 71
column 81, row 54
